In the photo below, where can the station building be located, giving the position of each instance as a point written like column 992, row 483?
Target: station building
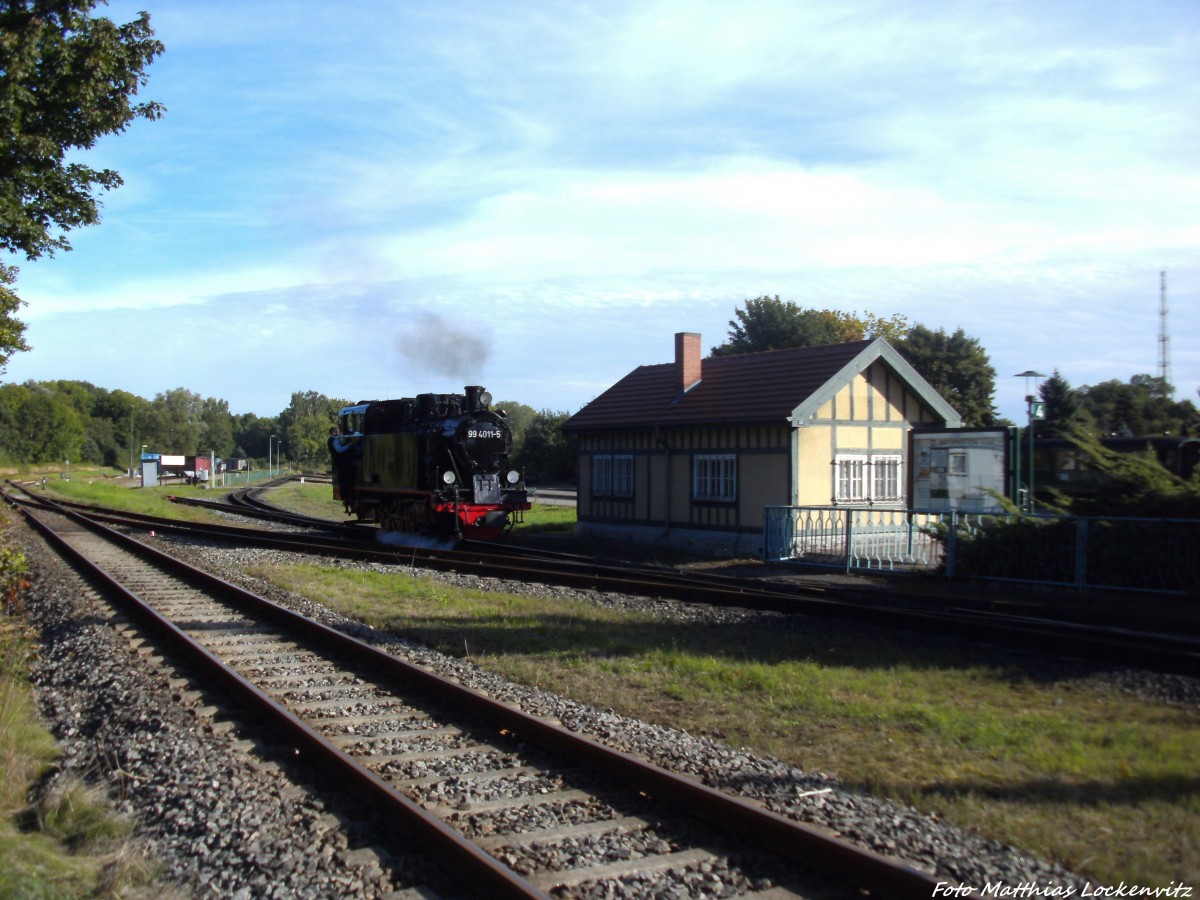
column 688, row 453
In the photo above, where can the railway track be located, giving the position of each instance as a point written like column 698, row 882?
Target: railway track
column 1135, row 639
column 457, row 768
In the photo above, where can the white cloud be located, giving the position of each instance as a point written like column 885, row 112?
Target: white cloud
column 1018, row 169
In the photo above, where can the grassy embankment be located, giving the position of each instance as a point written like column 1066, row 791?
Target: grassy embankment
column 68, row 842
column 1061, row 765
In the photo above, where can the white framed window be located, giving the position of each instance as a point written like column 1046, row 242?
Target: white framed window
column 714, row 477
column 849, row 478
column 868, row 478
column 888, row 484
column 612, row 475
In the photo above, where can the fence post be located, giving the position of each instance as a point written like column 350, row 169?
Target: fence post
column 951, row 543
column 1081, row 554
column 849, row 538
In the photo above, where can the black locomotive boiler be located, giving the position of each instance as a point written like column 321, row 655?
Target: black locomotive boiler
column 430, row 464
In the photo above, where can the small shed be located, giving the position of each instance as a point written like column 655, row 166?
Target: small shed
column 688, row 453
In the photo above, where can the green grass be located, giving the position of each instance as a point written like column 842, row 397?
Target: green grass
column 315, row 499
column 1103, row 782
column 69, row 843
column 310, row 499
column 1062, row 766
column 547, row 521
column 96, row 490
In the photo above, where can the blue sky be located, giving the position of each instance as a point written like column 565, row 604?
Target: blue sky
column 382, row 198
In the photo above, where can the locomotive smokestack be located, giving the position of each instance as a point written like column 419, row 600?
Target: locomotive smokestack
column 474, row 397
column 687, row 360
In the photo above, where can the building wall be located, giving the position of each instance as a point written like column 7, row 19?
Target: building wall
column 870, row 417
column 663, row 465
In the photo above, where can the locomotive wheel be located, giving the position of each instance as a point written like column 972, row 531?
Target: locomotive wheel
column 401, row 516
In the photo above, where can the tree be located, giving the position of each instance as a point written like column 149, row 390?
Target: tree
column 218, row 426
column 768, row 323
column 37, row 426
column 66, row 80
column 957, row 367
column 12, row 331
column 304, row 425
column 519, row 418
column 173, row 425
column 1061, row 412
column 1142, row 407
column 307, row 441
column 546, row 453
column 252, row 435
column 1135, row 484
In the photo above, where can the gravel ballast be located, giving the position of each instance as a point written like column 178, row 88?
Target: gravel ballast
column 223, row 823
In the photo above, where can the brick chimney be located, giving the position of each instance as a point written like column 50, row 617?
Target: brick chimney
column 687, row 360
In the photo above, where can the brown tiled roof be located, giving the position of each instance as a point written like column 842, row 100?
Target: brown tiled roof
column 743, row 388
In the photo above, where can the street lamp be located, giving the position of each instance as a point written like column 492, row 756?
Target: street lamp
column 1033, row 409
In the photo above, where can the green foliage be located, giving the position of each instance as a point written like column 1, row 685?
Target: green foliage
column 1143, row 406
column 12, row 331
column 307, row 441
column 67, row 80
column 14, row 574
column 519, row 417
column 1018, row 546
column 52, row 421
column 37, row 425
column 252, row 435
column 1062, row 410
column 768, row 323
column 96, row 424
column 173, row 423
column 1129, row 485
column 546, row 453
column 957, row 367
column 218, row 426
column 1120, row 552
column 304, row 427
column 68, row 842
column 1132, row 484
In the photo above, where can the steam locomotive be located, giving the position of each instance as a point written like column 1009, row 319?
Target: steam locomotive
column 431, row 464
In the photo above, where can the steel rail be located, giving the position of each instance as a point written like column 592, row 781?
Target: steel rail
column 1175, row 650
column 500, row 880
column 808, row 844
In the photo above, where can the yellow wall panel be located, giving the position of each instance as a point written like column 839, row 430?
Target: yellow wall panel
column 853, row 437
column 860, row 410
column 888, row 438
column 815, row 469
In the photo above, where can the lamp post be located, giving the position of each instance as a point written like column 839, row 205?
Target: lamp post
column 1033, row 409
column 270, row 464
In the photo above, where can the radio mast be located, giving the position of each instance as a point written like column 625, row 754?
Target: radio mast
column 1164, row 340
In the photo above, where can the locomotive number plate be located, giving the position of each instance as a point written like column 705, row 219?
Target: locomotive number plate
column 485, row 433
